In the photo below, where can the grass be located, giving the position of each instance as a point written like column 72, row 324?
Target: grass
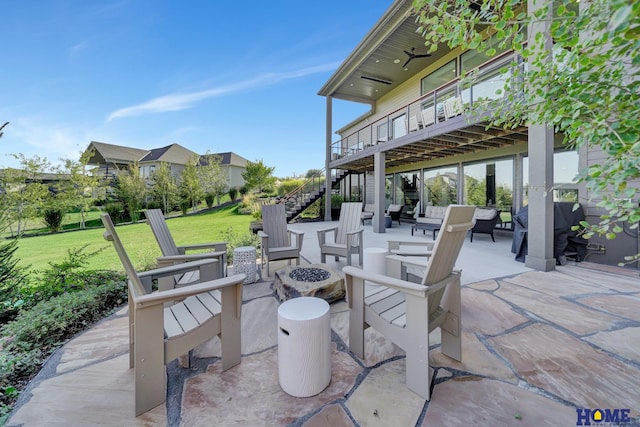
column 37, row 252
column 71, row 221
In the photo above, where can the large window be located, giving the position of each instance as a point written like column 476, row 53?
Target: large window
column 472, row 58
column 399, row 126
column 488, row 82
column 407, row 185
column 383, row 132
column 565, row 171
column 389, row 193
column 489, row 183
column 442, row 75
column 441, row 186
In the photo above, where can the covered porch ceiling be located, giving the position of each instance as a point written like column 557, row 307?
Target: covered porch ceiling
column 377, row 65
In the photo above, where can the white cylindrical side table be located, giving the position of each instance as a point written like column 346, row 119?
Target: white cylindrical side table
column 374, row 260
column 244, row 261
column 304, row 346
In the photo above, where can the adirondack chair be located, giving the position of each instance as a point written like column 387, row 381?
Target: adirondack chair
column 276, row 238
column 453, row 107
column 428, row 116
column 413, row 124
column 161, row 330
column 347, row 235
column 172, row 254
column 406, row 312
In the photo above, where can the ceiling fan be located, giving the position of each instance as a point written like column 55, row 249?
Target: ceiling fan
column 413, row 56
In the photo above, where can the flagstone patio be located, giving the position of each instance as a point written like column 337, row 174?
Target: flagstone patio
column 536, row 347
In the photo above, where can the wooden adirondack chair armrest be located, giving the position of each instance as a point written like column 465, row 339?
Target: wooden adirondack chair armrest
column 356, row 231
column 396, row 245
column 264, row 240
column 299, row 237
column 322, row 233
column 351, row 236
column 156, row 298
column 174, row 269
column 173, row 259
column 216, row 246
column 381, row 279
column 297, row 233
column 412, row 252
column 411, row 261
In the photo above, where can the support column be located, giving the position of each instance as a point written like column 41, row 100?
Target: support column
column 379, row 160
column 540, row 225
column 327, row 170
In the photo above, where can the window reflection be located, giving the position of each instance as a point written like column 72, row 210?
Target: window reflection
column 489, row 183
column 441, row 186
column 565, row 172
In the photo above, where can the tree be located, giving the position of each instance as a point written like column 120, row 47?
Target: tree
column 311, row 173
column 258, row 176
column 78, row 191
column 25, row 191
column 190, row 189
column 164, row 187
column 132, row 189
column 11, row 275
column 588, row 91
column 213, row 178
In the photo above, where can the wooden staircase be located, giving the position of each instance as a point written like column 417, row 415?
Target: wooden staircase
column 311, row 190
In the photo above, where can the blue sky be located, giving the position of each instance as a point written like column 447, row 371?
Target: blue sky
column 209, row 75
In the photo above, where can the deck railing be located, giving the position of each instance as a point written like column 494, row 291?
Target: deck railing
column 447, row 101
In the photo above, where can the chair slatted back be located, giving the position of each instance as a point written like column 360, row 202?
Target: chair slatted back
column 274, row 223
column 155, row 218
column 350, row 215
column 135, row 284
column 458, row 219
column 428, row 116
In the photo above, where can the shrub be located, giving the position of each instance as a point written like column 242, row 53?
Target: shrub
column 233, row 193
column 115, row 211
column 184, row 206
column 53, row 217
column 209, row 198
column 28, row 340
column 153, row 204
column 236, row 240
column 66, row 276
column 12, row 278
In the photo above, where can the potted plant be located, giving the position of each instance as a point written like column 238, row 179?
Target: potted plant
column 336, row 204
column 256, row 212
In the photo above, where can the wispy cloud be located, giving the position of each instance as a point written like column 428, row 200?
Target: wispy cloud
column 79, row 47
column 42, row 137
column 182, row 101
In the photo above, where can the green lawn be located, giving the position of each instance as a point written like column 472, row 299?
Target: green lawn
column 141, row 246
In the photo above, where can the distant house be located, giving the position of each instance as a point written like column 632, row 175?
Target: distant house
column 110, row 160
column 234, row 166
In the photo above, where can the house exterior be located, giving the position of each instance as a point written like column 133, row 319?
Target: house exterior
column 416, row 146
column 233, row 165
column 111, row 159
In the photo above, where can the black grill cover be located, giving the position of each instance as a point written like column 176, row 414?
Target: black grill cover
column 564, row 239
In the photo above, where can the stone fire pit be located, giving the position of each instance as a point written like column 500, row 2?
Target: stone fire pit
column 315, row 280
